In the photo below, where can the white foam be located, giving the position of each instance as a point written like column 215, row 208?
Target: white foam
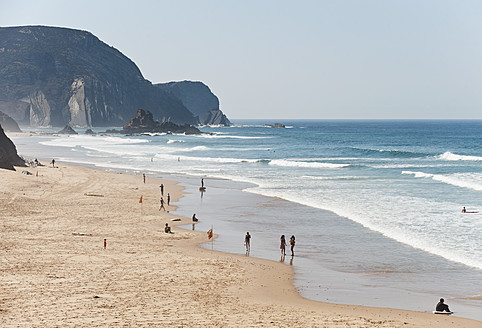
column 464, row 180
column 288, row 163
column 170, row 141
column 448, row 156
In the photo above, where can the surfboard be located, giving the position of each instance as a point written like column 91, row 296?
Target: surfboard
column 472, row 212
column 442, row 312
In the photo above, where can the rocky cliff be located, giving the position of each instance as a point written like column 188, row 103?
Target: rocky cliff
column 8, row 153
column 198, row 98
column 52, row 76
column 8, row 123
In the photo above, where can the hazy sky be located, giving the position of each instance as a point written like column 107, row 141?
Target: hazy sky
column 294, row 59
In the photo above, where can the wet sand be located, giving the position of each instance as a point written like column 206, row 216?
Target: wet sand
column 56, row 272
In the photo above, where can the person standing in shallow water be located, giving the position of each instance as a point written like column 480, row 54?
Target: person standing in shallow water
column 247, row 242
column 283, row 245
column 292, row 243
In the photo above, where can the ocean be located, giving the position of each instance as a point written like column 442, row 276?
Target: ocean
column 375, row 205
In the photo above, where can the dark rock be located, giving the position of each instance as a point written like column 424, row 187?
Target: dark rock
column 52, row 76
column 67, row 130
column 8, row 123
column 89, row 131
column 8, row 153
column 144, row 123
column 198, row 98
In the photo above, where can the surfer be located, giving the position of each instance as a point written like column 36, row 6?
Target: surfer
column 442, row 307
column 202, row 183
column 194, row 218
column 464, row 210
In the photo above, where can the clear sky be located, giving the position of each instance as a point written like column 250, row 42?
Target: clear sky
column 294, row 59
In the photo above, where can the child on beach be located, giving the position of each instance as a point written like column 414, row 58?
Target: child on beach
column 167, row 229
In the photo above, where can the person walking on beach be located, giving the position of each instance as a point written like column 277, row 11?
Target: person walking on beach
column 168, row 199
column 292, row 243
column 283, row 245
column 144, row 177
column 105, row 243
column 162, row 189
column 247, row 242
column 162, row 205
column 53, row 162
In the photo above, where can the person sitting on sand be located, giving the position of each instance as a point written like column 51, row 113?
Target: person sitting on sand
column 464, row 210
column 194, row 218
column 167, row 229
column 442, row 307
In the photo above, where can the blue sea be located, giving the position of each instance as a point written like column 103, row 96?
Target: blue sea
column 375, row 205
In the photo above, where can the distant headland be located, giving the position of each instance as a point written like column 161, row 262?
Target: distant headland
column 54, row 76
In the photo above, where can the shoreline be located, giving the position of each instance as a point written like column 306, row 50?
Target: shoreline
column 268, row 286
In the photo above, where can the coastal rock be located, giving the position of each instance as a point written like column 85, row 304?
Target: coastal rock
column 52, row 76
column 8, row 123
column 144, row 123
column 198, row 98
column 8, row 153
column 67, row 130
column 89, row 131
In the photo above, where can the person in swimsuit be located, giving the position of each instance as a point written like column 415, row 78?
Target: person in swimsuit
column 283, row 245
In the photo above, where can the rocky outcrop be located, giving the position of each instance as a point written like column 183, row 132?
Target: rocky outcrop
column 144, row 123
column 51, row 76
column 67, row 130
column 198, row 98
column 8, row 123
column 8, row 153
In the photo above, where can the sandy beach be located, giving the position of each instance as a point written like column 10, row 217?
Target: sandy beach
column 56, row 272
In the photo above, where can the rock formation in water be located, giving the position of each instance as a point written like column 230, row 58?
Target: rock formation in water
column 67, row 130
column 51, row 76
column 198, row 98
column 8, row 123
column 144, row 123
column 8, row 153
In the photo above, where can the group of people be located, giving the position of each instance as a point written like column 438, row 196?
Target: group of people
column 283, row 245
column 247, row 244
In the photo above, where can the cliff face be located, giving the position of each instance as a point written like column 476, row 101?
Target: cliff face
column 53, row 76
column 198, row 98
column 8, row 153
column 8, row 123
